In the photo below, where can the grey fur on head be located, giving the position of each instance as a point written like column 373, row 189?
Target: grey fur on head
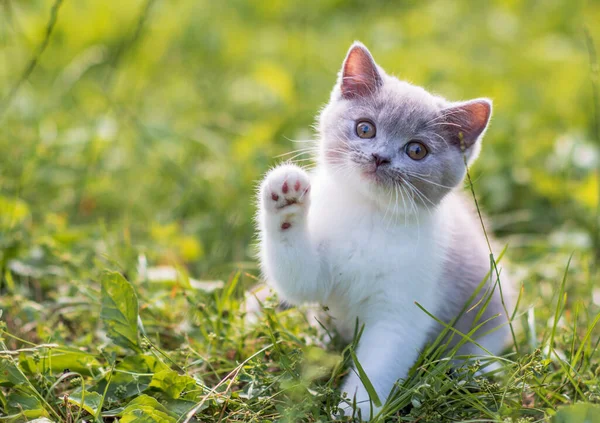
column 401, row 113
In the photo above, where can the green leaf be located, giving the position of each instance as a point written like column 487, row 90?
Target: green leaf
column 58, row 360
column 578, row 413
column 89, row 401
column 120, row 311
column 3, row 403
column 145, row 409
column 10, row 374
column 28, row 405
column 23, row 402
column 131, row 376
column 182, row 407
column 171, row 383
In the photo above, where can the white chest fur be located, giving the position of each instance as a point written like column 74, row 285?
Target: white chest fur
column 379, row 264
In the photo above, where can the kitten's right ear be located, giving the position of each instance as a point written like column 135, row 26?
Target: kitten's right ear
column 359, row 75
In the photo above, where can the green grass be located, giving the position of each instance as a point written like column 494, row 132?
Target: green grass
column 132, row 136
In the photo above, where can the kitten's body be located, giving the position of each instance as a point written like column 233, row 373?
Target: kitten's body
column 353, row 240
column 434, row 261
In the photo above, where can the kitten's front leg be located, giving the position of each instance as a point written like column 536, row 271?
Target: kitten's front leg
column 289, row 258
column 385, row 355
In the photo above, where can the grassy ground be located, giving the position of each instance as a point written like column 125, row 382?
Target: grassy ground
column 132, row 134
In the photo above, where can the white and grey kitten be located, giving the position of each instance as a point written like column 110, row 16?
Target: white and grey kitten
column 381, row 224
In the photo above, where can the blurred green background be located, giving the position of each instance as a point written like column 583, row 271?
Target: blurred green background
column 136, row 134
column 146, row 125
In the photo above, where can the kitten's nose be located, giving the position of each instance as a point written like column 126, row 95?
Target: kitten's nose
column 380, row 160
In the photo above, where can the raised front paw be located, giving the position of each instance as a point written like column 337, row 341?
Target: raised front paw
column 285, row 194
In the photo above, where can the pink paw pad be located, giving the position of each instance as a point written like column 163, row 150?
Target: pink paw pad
column 286, row 225
column 274, row 197
column 297, row 186
column 285, row 188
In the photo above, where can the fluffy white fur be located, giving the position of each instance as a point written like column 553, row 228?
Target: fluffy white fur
column 333, row 238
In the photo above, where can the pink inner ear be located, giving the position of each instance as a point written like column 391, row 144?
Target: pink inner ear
column 480, row 113
column 469, row 119
column 360, row 77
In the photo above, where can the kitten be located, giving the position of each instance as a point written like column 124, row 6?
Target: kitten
column 381, row 224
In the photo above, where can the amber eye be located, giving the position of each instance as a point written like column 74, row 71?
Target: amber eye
column 416, row 150
column 365, row 129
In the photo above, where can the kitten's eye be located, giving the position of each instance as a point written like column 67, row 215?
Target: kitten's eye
column 365, row 129
column 416, row 150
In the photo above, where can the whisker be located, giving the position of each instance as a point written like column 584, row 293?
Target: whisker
column 299, row 152
column 419, row 177
column 443, row 123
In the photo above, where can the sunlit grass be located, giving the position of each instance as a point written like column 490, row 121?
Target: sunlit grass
column 132, row 136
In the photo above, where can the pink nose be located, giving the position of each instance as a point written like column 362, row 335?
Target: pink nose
column 380, row 160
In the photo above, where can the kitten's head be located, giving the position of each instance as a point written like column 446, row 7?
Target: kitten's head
column 387, row 137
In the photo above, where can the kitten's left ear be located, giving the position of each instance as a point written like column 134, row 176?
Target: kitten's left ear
column 466, row 122
column 359, row 75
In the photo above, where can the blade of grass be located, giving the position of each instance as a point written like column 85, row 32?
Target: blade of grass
column 365, row 380
column 595, row 80
column 512, row 331
column 6, row 103
column 231, row 377
column 557, row 310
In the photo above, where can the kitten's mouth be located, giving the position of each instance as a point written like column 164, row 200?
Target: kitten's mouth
column 370, row 174
column 373, row 173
